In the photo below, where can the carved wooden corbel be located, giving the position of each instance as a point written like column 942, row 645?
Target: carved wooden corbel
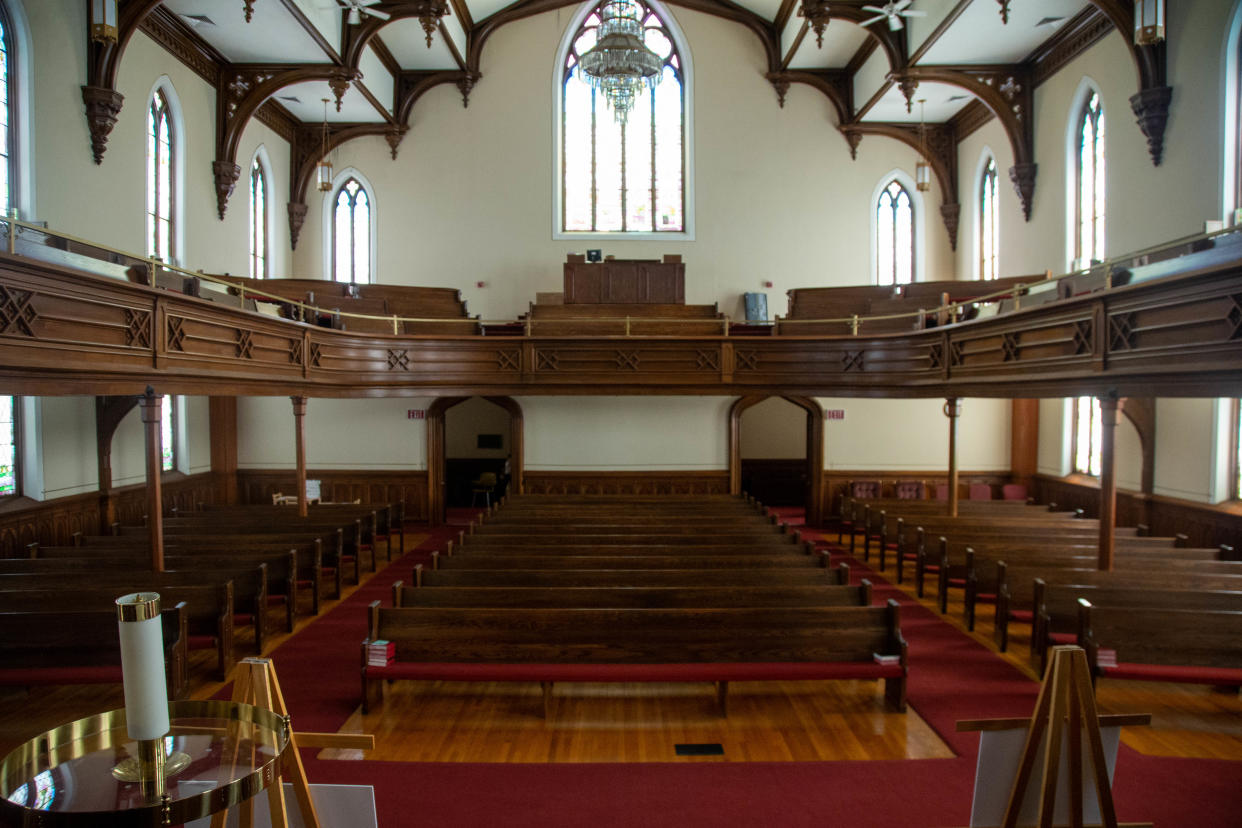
column 908, row 87
column 465, row 84
column 249, row 8
column 1151, row 109
column 1023, row 178
column 102, row 108
column 951, row 212
column 226, row 174
column 1151, row 103
column 339, row 85
column 297, row 215
column 781, row 84
column 393, row 136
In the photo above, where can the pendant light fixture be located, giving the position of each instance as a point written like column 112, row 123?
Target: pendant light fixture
column 922, row 169
column 1148, row 22
column 324, row 167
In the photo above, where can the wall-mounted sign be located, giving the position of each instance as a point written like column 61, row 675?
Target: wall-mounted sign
column 416, row 414
column 834, row 414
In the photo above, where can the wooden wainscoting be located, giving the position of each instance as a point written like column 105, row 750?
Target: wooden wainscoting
column 837, row 481
column 408, row 487
column 53, row 522
column 1205, row 525
column 627, row 482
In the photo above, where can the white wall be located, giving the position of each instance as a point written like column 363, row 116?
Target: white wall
column 774, row 429
column 914, row 435
column 340, row 434
column 464, row 422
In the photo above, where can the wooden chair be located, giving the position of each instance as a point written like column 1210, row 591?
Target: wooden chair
column 484, row 484
column 980, row 491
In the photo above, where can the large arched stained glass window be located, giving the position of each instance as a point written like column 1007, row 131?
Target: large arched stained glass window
column 1090, row 164
column 623, row 178
column 989, row 222
column 1088, row 425
column 258, row 221
column 351, row 234
column 161, row 144
column 8, row 447
column 894, row 222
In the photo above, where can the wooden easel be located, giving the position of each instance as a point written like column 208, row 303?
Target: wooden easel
column 1065, row 711
column 256, row 684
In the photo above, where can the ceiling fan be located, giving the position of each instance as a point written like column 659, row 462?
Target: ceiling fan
column 893, row 11
column 357, row 8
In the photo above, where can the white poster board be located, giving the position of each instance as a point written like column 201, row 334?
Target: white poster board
column 339, row 806
column 312, row 489
column 1000, row 753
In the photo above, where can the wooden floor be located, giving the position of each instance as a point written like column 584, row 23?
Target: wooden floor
column 783, row 721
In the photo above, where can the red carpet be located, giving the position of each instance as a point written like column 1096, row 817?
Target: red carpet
column 951, row 677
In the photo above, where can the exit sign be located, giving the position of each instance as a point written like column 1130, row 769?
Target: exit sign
column 416, row 414
column 834, row 414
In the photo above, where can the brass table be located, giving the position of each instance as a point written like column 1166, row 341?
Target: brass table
column 65, row 776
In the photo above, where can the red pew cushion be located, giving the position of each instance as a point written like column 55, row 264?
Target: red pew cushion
column 1165, row 672
column 107, row 674
column 759, row 671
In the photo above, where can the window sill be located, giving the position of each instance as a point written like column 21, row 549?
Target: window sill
column 617, row 236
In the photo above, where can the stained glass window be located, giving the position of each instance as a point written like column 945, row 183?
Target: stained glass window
column 1090, row 237
column 989, row 222
column 1087, row 433
column 6, row 118
column 351, row 234
column 258, row 221
column 8, row 446
column 160, row 183
column 168, row 451
column 623, row 178
column 894, row 216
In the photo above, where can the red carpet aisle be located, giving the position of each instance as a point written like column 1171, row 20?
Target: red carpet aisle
column 951, row 677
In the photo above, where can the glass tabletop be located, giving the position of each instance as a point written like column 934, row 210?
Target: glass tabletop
column 65, row 776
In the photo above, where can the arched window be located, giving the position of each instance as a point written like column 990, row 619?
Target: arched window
column 894, row 222
column 8, row 167
column 161, row 180
column 258, row 220
column 351, row 233
column 989, row 222
column 623, row 177
column 1087, row 433
column 1235, row 456
column 168, row 445
column 9, row 454
column 1089, row 159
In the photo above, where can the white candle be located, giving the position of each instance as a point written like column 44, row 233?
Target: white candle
column 142, row 665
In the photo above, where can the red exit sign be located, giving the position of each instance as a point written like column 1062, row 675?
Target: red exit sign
column 416, row 414
column 834, row 414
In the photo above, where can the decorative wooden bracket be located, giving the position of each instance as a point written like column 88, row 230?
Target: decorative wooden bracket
column 1008, row 91
column 941, row 146
column 834, row 83
column 226, row 174
column 1004, row 11
column 428, row 13
column 1151, row 103
column 465, row 84
column 297, row 215
column 819, row 12
column 103, row 102
column 393, row 136
column 249, row 8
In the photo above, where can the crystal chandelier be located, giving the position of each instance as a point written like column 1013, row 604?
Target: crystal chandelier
column 620, row 64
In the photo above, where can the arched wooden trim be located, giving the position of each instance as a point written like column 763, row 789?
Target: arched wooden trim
column 360, row 35
column 1141, row 412
column 436, row 466
column 833, row 84
column 814, row 449
column 109, row 413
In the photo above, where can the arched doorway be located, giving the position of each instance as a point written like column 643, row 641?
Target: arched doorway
column 814, row 450
column 440, row 482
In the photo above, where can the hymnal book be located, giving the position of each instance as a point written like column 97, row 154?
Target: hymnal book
column 380, row 653
column 886, row 659
column 1106, row 658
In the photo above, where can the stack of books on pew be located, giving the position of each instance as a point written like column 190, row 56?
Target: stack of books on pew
column 886, row 659
column 380, row 653
column 1106, row 658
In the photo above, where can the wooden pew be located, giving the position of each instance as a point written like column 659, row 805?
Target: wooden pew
column 635, row 578
column 1056, row 612
column 380, row 521
column 66, row 646
column 631, row 597
column 1014, row 588
column 251, row 596
column 553, row 561
column 209, row 610
column 1191, row 646
column 716, row 645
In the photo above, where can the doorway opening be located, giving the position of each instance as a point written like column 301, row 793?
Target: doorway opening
column 776, row 451
column 474, row 453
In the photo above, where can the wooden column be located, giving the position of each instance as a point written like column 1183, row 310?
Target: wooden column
column 299, row 432
column 1110, row 415
column 151, row 405
column 222, row 413
column 953, row 410
column 1024, row 441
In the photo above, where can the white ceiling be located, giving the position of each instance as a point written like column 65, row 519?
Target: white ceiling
column 277, row 34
